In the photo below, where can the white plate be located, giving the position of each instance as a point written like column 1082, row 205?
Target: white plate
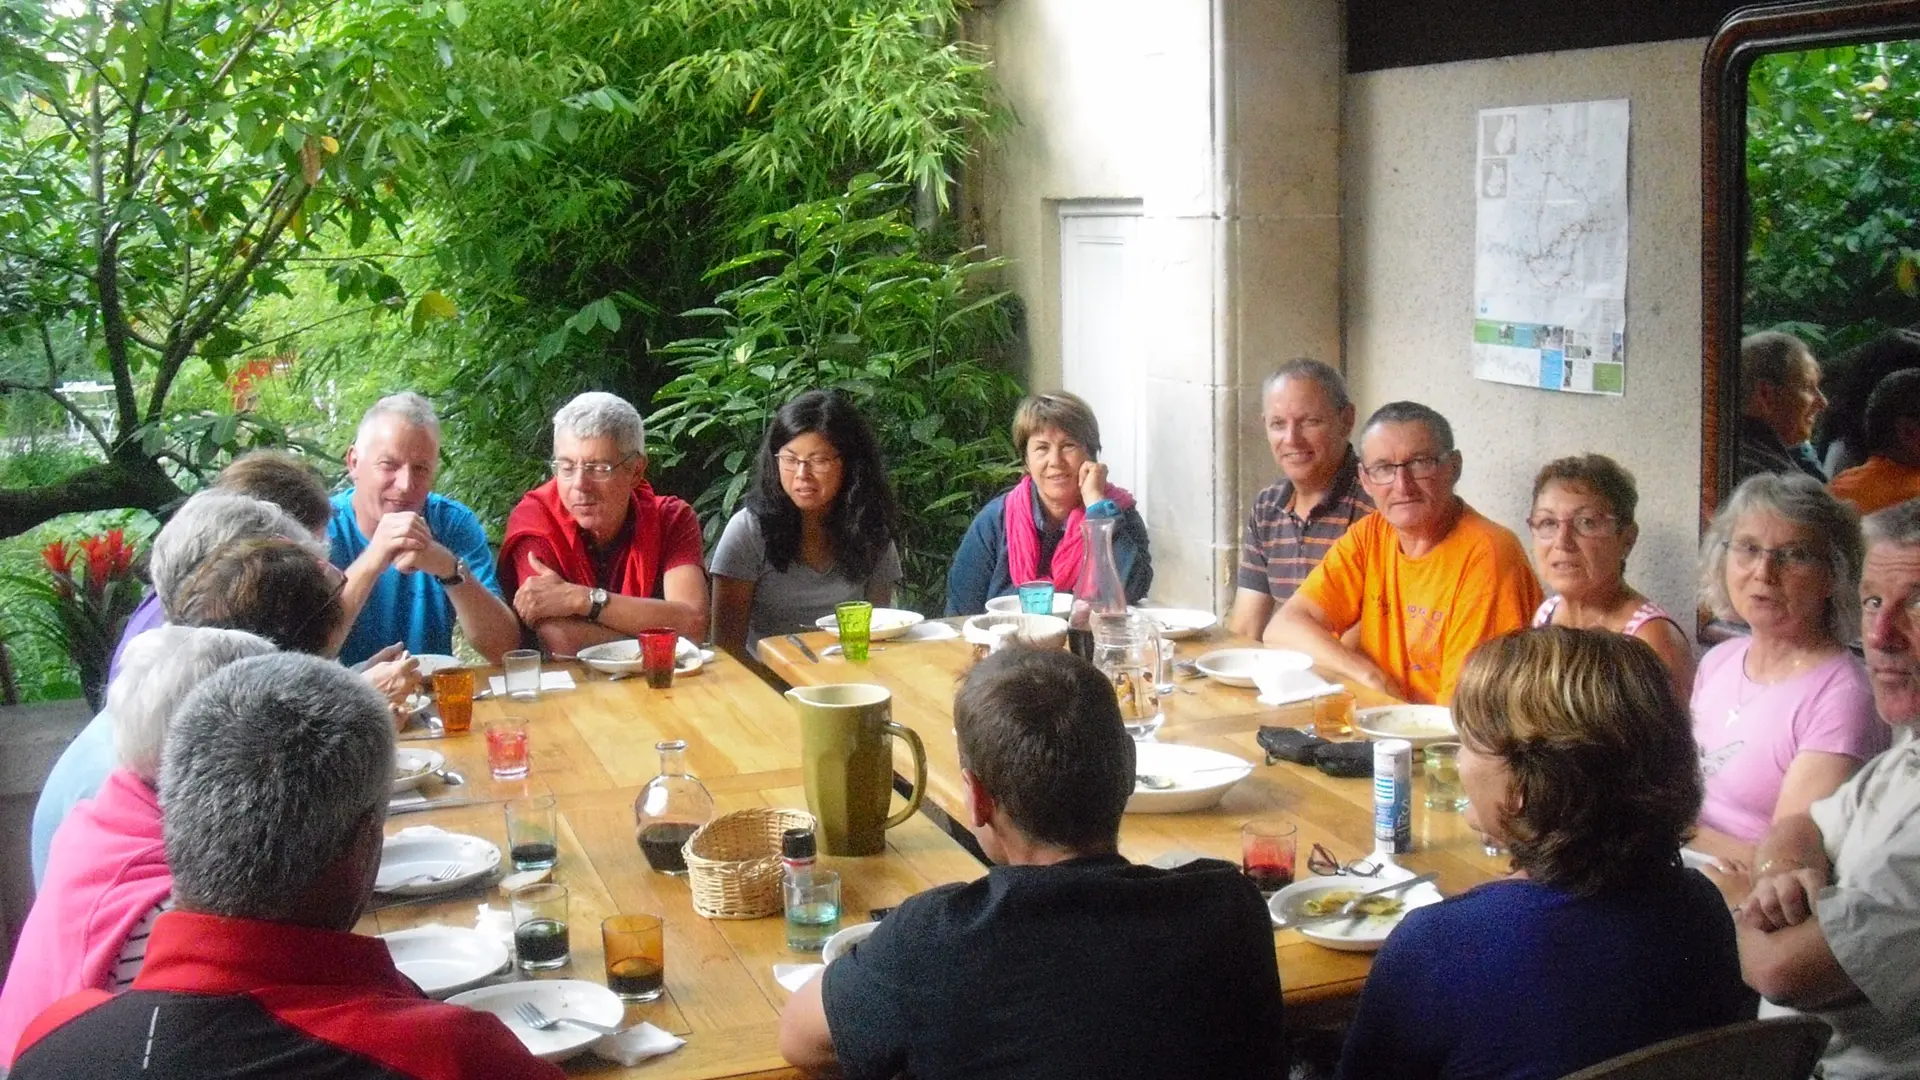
column 1178, row 624
column 444, row 960
column 432, row 662
column 1418, row 724
column 1043, row 631
column 888, row 623
column 1365, row 934
column 1200, row 777
column 556, row 997
column 1010, row 605
column 412, row 766
column 1235, row 667
column 843, row 942
column 622, row 657
column 403, row 857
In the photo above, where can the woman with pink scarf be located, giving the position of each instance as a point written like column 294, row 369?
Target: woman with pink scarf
column 107, row 876
column 1032, row 533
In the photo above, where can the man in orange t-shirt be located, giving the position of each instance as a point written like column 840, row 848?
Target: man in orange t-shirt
column 1891, row 473
column 1426, row 579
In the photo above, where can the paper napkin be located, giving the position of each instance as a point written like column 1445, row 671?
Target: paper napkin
column 1280, row 686
column 549, row 680
column 795, row 976
column 637, row 1044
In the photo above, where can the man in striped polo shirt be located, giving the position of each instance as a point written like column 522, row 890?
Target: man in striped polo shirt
column 1308, row 420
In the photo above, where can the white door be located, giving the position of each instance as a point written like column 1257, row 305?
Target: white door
column 1100, row 355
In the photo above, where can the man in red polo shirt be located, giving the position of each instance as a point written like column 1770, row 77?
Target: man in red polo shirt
column 593, row 554
column 274, row 791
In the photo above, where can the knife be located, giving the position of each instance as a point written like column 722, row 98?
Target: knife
column 802, row 646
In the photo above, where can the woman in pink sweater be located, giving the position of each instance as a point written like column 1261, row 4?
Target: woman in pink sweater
column 107, row 875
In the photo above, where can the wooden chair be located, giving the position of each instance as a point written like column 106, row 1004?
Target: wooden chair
column 1779, row 1048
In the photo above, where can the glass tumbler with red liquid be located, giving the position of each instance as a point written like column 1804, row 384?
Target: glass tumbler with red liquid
column 507, row 757
column 657, row 647
column 1267, row 848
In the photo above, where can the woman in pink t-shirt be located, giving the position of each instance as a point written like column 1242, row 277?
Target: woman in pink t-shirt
column 1783, row 717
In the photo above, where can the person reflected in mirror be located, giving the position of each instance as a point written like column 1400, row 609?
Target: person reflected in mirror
column 1032, row 533
column 1583, row 530
column 1575, row 757
column 594, row 554
column 1424, row 579
column 817, row 529
column 1850, row 380
column 1309, row 420
column 1784, row 715
column 274, row 786
column 1891, row 473
column 416, row 561
column 994, row 978
column 1780, row 400
column 1831, row 924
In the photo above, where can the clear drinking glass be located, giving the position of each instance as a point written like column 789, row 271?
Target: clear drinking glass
column 671, row 808
column 507, row 757
column 540, row 927
column 1444, row 790
column 813, row 909
column 531, row 833
column 522, row 668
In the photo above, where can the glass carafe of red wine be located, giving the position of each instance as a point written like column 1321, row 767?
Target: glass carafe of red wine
column 671, row 808
column 1098, row 591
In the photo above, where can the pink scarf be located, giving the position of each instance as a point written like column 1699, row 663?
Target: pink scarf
column 1023, row 537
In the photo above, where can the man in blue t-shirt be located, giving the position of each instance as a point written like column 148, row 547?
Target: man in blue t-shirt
column 415, row 562
column 1044, row 967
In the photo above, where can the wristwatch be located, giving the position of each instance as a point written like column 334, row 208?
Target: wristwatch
column 596, row 603
column 458, row 577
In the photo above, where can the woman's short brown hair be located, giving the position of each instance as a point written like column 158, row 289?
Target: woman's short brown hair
column 284, row 480
column 1038, row 412
column 274, row 588
column 1601, row 474
column 1600, row 748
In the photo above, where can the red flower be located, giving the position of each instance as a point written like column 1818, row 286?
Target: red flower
column 58, row 558
column 108, row 557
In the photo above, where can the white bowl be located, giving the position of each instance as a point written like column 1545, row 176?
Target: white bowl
column 444, row 960
column 1235, row 667
column 1365, row 934
column 622, row 657
column 1200, row 777
column 1418, row 724
column 556, row 997
column 887, row 623
column 1040, row 631
column 412, row 765
column 1178, row 624
column 1010, row 605
column 843, row 942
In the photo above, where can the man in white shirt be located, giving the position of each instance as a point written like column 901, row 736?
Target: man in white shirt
column 1832, row 924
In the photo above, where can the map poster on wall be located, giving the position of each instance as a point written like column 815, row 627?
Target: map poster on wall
column 1550, row 247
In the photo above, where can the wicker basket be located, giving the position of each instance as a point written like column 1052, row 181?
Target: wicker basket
column 733, row 862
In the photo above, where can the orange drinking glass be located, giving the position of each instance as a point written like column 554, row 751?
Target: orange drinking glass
column 453, row 690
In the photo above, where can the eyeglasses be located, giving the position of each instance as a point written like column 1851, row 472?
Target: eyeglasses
column 1419, row 468
column 1321, row 861
column 1746, row 555
column 590, row 470
column 815, row 463
column 329, row 610
column 1586, row 526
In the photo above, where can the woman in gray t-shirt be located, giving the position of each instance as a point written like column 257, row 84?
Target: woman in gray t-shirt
column 817, row 528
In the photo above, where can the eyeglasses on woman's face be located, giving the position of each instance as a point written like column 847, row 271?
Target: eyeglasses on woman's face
column 1585, row 526
column 812, row 463
column 1746, row 554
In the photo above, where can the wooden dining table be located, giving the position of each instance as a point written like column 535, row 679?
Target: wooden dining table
column 592, row 748
column 1335, row 812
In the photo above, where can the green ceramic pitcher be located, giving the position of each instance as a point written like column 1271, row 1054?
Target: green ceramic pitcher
column 849, row 765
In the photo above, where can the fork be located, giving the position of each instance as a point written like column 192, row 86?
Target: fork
column 530, row 1015
column 445, row 873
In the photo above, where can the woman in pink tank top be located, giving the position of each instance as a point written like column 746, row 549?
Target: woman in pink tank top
column 1583, row 528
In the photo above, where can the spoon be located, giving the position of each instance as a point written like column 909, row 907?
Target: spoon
column 449, row 777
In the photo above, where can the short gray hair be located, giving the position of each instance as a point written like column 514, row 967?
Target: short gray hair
column 407, row 407
column 1768, row 357
column 1306, row 367
column 600, row 415
column 1799, row 499
column 158, row 670
column 210, row 520
column 1897, row 524
column 1412, row 412
column 271, row 767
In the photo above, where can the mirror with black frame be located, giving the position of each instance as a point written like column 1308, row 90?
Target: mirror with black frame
column 1811, row 247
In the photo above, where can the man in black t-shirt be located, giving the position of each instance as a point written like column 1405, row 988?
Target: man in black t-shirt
column 1065, row 960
